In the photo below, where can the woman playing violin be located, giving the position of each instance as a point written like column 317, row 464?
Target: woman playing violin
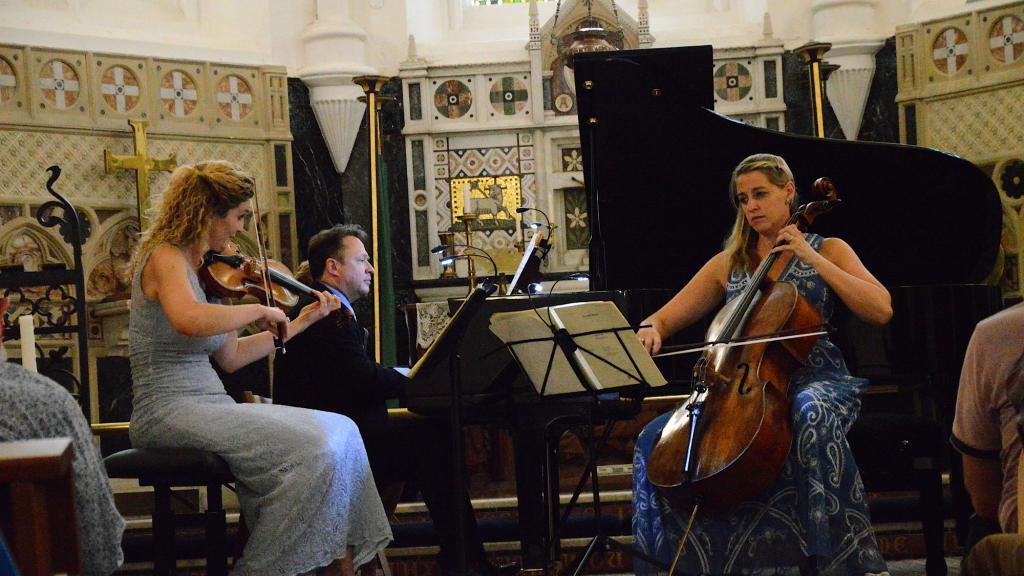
column 304, row 481
column 815, row 514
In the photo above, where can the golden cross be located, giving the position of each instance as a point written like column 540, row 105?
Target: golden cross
column 142, row 164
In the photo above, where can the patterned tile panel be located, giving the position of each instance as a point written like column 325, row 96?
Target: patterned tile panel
column 949, row 50
column 453, row 99
column 576, row 224
column 976, row 126
column 1006, row 39
column 120, row 89
column 509, row 96
column 27, row 154
column 234, row 96
column 59, row 84
column 733, row 81
column 8, row 81
column 179, row 93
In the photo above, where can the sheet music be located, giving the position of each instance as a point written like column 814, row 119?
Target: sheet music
column 533, row 356
column 576, row 318
column 617, row 348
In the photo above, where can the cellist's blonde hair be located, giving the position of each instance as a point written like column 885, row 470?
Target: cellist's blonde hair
column 196, row 193
column 741, row 244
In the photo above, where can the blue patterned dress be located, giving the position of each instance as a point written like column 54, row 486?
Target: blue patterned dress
column 816, row 507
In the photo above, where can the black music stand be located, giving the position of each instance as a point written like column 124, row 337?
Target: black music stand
column 574, row 353
column 447, row 346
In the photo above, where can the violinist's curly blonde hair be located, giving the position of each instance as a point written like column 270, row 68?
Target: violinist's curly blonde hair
column 741, row 244
column 196, row 193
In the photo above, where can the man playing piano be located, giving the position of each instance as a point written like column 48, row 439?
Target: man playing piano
column 327, row 368
column 815, row 514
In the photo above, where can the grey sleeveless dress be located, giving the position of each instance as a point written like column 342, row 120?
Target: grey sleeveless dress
column 304, row 481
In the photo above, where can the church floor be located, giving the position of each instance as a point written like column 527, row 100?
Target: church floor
column 912, row 567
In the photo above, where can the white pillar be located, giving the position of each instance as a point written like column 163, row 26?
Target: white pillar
column 335, row 52
column 852, row 26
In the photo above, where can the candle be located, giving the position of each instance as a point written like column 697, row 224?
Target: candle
column 467, row 200
column 28, row 342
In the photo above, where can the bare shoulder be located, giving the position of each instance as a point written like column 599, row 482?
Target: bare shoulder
column 836, row 248
column 166, row 258
column 719, row 266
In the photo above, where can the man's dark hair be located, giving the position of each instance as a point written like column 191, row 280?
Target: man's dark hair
column 328, row 244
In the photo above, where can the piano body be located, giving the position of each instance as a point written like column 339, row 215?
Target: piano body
column 927, row 224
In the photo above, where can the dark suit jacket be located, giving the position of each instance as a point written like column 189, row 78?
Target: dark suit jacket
column 327, row 368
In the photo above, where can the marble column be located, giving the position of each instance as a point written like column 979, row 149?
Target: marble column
column 335, row 52
column 853, row 28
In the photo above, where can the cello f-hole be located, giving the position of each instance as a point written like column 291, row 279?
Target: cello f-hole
column 742, row 388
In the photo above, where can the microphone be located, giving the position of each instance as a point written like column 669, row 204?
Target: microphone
column 535, row 225
column 544, row 243
column 449, row 259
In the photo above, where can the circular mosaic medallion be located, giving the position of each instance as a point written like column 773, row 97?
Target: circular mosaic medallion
column 564, row 103
column 234, row 97
column 1006, row 39
column 178, row 93
column 59, row 83
column 949, row 51
column 120, row 89
column 508, row 96
column 453, row 99
column 732, row 81
column 1012, row 179
column 8, row 81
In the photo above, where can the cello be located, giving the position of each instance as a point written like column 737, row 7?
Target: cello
column 729, row 440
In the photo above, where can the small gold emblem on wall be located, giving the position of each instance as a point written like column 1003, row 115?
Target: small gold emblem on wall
column 493, row 199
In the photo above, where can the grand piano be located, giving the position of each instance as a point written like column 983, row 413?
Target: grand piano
column 657, row 162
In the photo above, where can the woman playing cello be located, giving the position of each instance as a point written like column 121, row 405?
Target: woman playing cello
column 815, row 513
column 304, row 481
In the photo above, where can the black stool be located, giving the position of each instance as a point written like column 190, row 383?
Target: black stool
column 166, row 468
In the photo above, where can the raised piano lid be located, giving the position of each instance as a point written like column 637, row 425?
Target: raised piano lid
column 660, row 164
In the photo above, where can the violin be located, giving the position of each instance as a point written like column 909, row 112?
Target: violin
column 231, row 274
column 729, row 440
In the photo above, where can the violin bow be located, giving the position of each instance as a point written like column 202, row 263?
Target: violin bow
column 262, row 255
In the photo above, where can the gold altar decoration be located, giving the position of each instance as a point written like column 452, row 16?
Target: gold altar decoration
column 493, row 201
column 142, row 163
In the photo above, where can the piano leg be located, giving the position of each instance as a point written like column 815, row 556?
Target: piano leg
column 532, row 484
column 932, row 524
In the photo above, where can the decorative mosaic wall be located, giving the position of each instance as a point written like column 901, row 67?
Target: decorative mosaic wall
column 475, row 132
column 67, row 108
column 961, row 89
column 488, row 176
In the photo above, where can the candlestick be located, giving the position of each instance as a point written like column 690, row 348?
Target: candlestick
column 28, row 342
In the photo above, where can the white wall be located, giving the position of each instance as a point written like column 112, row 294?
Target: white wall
column 447, row 31
column 233, row 31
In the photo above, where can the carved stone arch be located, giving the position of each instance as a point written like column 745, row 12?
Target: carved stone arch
column 24, row 241
column 109, row 257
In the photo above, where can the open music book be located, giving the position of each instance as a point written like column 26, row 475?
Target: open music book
column 608, row 360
